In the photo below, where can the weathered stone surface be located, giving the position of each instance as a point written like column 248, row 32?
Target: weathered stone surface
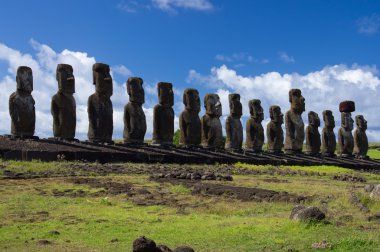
column 234, row 128
column 99, row 106
column 313, row 138
column 294, row 125
column 63, row 107
column 189, row 121
column 143, row 244
column 254, row 129
column 212, row 133
column 328, row 135
column 345, row 137
column 163, row 248
column 184, row 249
column 375, row 194
column 275, row 134
column 303, row 213
column 163, row 115
column 134, row 117
column 360, row 138
column 21, row 104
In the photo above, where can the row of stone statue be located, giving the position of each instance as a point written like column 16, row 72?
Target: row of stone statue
column 206, row 131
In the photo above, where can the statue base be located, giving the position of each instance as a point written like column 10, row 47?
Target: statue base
column 293, row 152
column 14, row 137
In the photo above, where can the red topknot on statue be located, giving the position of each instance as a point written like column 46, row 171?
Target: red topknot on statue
column 347, row 106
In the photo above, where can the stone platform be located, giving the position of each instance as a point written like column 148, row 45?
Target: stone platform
column 54, row 150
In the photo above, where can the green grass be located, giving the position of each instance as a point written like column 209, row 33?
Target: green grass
column 29, row 211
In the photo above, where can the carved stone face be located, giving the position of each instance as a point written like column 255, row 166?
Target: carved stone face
column 24, row 79
column 165, row 94
column 328, row 118
column 347, row 121
column 276, row 115
column 191, row 99
column 135, row 90
column 297, row 100
column 212, row 105
column 256, row 110
column 314, row 119
column 236, row 109
column 65, row 78
column 361, row 123
column 102, row 79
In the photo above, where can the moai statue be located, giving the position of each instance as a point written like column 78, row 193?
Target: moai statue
column 63, row 106
column 212, row 133
column 275, row 134
column 294, row 125
column 254, row 129
column 163, row 115
column 21, row 104
column 234, row 128
column 345, row 138
column 99, row 106
column 189, row 122
column 313, row 138
column 328, row 135
column 360, row 138
column 134, row 117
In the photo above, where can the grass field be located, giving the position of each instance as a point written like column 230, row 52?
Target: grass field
column 46, row 211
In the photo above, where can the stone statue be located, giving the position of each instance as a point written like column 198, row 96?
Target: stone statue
column 99, row 108
column 163, row 115
column 21, row 104
column 212, row 133
column 275, row 134
column 313, row 138
column 134, row 117
column 63, row 106
column 345, row 138
column 234, row 128
column 328, row 135
column 254, row 129
column 189, row 122
column 360, row 138
column 294, row 125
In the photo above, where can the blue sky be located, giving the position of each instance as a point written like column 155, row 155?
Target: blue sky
column 328, row 48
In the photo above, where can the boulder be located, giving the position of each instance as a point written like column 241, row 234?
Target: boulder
column 184, row 249
column 143, row 244
column 303, row 213
column 375, row 194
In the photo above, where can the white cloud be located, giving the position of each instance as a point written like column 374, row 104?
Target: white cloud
column 122, row 70
column 286, row 58
column 44, row 63
column 172, row 5
column 240, row 58
column 369, row 25
column 323, row 89
column 129, row 6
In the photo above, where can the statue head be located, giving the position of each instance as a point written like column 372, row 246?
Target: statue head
column 276, row 115
column 328, row 118
column 24, row 79
column 191, row 99
column 165, row 94
column 65, row 78
column 212, row 105
column 256, row 110
column 102, row 79
column 314, row 119
column 296, row 100
column 236, row 109
column 361, row 123
column 135, row 90
column 346, row 121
